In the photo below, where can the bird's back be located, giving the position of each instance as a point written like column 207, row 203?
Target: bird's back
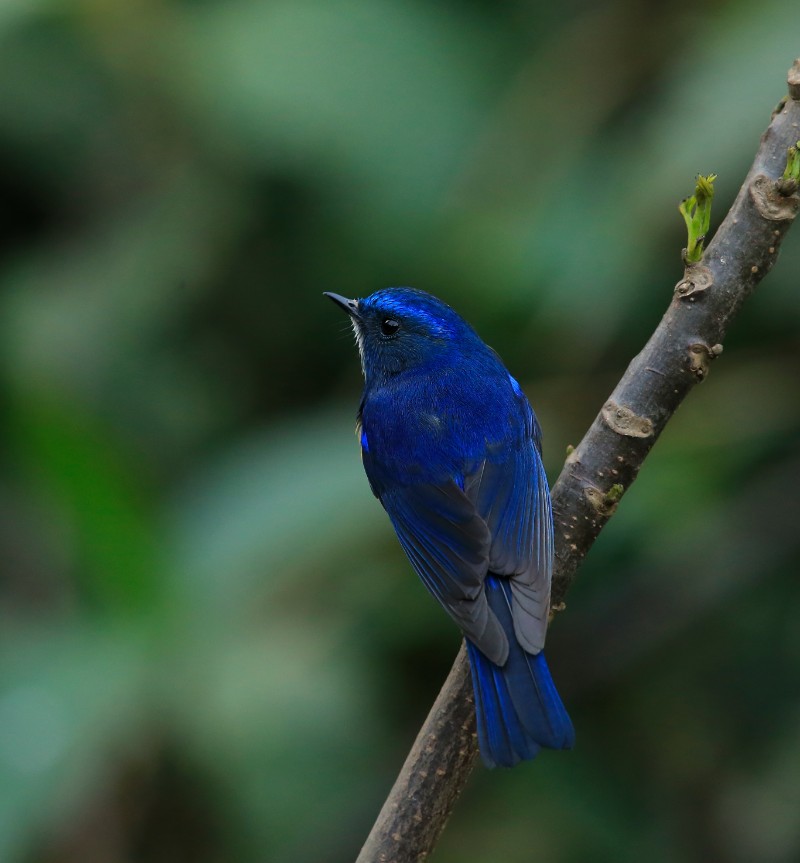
column 433, row 423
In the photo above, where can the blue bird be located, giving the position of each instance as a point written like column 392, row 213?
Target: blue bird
column 452, row 450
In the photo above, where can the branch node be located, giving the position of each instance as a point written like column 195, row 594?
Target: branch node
column 700, row 357
column 770, row 203
column 625, row 422
column 696, row 279
column 793, row 80
column 604, row 503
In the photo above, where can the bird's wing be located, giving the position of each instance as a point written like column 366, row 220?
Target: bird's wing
column 509, row 491
column 448, row 545
column 496, row 517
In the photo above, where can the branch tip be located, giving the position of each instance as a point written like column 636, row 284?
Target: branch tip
column 793, row 80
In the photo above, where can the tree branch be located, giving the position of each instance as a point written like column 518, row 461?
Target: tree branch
column 606, row 462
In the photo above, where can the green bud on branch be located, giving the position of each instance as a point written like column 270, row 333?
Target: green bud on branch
column 792, row 171
column 789, row 182
column 696, row 212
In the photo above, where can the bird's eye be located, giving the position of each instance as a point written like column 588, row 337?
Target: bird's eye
column 389, row 326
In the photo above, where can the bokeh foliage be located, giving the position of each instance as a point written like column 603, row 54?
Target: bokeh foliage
column 211, row 648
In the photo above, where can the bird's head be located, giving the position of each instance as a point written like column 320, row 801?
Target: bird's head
column 402, row 328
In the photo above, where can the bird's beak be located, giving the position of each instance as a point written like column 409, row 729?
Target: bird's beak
column 350, row 306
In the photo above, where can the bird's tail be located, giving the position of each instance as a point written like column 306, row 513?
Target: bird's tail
column 517, row 706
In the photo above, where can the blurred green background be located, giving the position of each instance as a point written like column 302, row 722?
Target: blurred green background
column 211, row 647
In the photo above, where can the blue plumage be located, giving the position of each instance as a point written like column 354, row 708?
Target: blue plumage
column 520, row 710
column 452, row 450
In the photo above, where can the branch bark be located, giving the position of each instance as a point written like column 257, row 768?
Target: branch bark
column 605, row 464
